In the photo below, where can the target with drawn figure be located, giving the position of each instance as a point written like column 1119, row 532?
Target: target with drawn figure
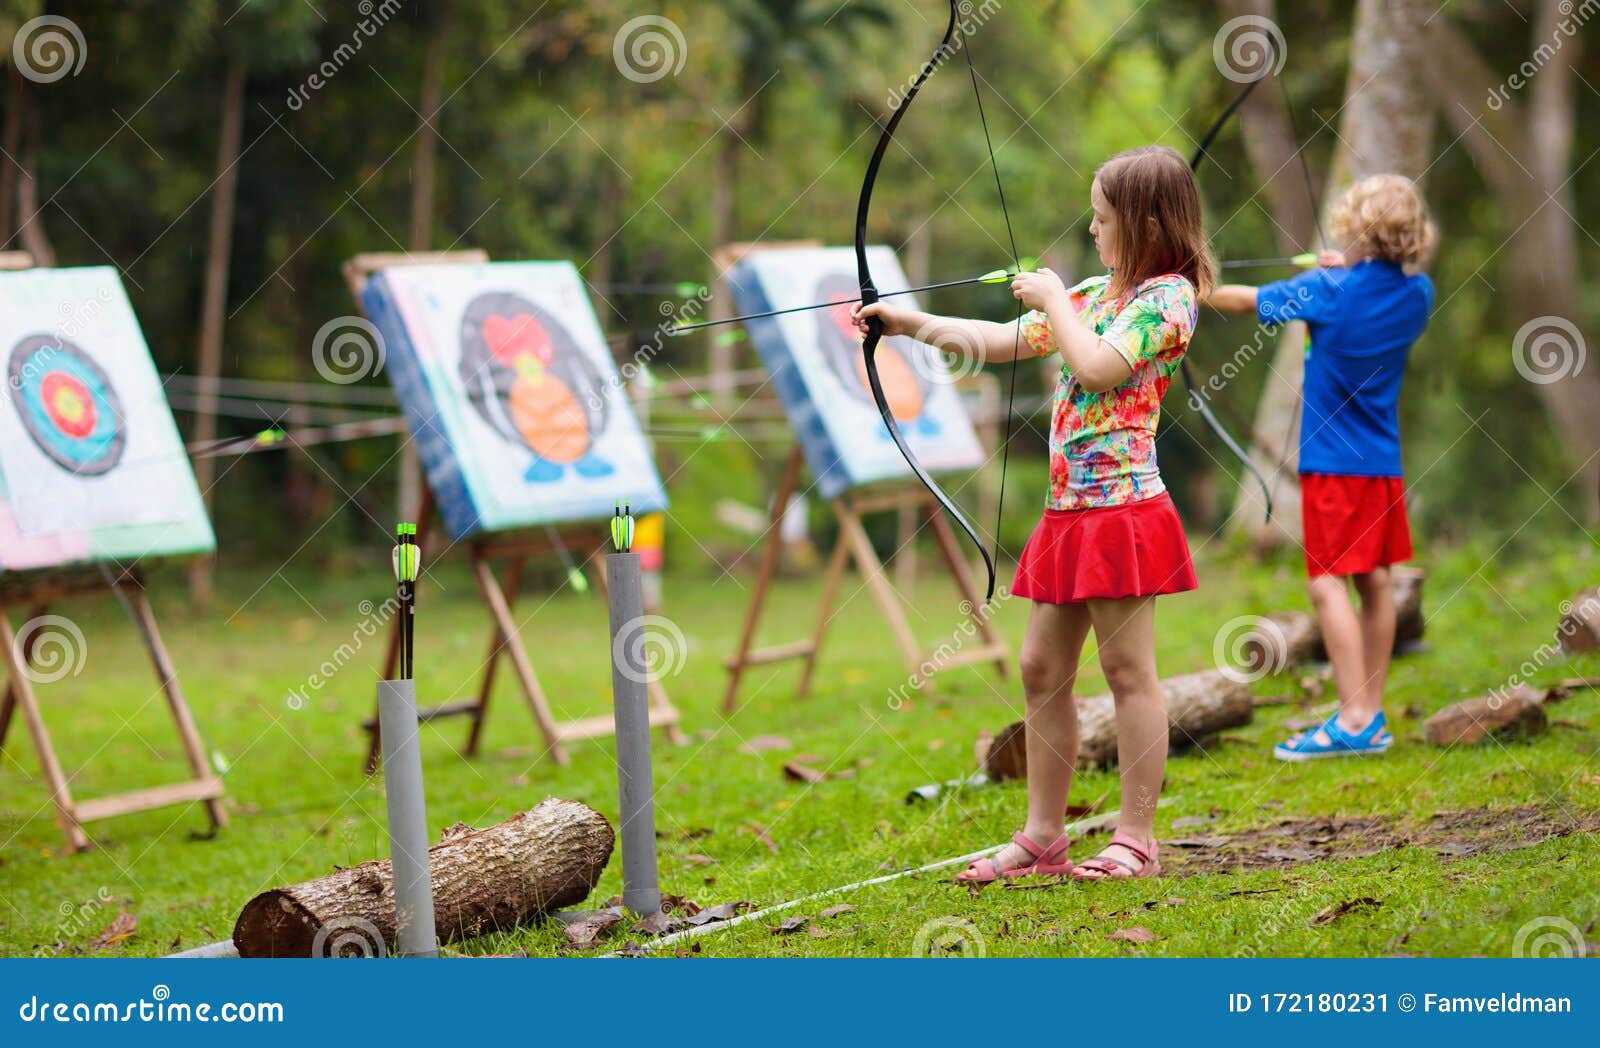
column 817, row 367
column 517, row 408
column 91, row 464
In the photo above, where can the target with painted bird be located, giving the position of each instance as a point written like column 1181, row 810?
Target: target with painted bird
column 817, row 367
column 511, row 394
column 91, row 464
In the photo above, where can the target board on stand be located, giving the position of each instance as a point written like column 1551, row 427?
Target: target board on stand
column 92, row 467
column 512, row 396
column 816, row 364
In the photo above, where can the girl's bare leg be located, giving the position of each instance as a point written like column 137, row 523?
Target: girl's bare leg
column 1050, row 654
column 1125, row 633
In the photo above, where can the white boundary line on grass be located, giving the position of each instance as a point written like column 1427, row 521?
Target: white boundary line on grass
column 1094, row 822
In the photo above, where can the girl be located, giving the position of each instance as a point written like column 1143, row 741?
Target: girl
column 1363, row 310
column 1110, row 539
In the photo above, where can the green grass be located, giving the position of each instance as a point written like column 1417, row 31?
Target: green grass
column 300, row 804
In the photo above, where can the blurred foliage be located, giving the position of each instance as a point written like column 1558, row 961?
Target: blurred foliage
column 536, row 119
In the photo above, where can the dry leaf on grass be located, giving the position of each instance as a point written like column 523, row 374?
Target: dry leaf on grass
column 762, row 743
column 794, row 771
column 117, row 932
column 834, row 911
column 790, row 926
column 1132, row 935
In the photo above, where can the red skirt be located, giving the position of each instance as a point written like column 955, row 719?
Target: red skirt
column 1353, row 524
column 1108, row 553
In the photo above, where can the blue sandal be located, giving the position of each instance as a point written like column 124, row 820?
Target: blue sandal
column 1331, row 740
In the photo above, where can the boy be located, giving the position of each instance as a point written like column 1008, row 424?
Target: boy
column 1363, row 312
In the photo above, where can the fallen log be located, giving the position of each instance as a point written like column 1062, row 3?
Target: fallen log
column 1198, row 705
column 1579, row 629
column 1514, row 710
column 1282, row 639
column 535, row 862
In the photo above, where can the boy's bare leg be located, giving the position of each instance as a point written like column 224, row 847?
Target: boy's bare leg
column 1051, row 650
column 1342, row 636
column 1377, row 644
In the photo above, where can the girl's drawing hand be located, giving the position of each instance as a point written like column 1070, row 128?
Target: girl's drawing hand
column 1038, row 290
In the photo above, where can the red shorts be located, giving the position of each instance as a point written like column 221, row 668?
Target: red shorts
column 1353, row 524
column 1108, row 553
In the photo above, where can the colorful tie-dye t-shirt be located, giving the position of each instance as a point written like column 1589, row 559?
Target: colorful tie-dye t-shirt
column 1103, row 445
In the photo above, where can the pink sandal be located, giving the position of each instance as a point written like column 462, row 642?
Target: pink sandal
column 1047, row 862
column 1102, row 865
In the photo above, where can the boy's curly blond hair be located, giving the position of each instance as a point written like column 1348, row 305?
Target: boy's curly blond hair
column 1384, row 216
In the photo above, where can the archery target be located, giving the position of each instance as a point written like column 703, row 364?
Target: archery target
column 91, row 464
column 817, row 367
column 67, row 404
column 517, row 407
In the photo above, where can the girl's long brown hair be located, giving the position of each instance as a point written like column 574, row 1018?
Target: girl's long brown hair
column 1160, row 227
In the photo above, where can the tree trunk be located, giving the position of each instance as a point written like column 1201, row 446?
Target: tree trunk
column 31, row 236
column 1386, row 125
column 483, row 880
column 1523, row 150
column 423, row 183
column 1512, row 711
column 11, row 144
column 1579, row 629
column 214, row 301
column 1198, row 705
column 723, row 232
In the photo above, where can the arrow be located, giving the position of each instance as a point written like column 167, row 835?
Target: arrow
column 998, row 276
column 1305, row 261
